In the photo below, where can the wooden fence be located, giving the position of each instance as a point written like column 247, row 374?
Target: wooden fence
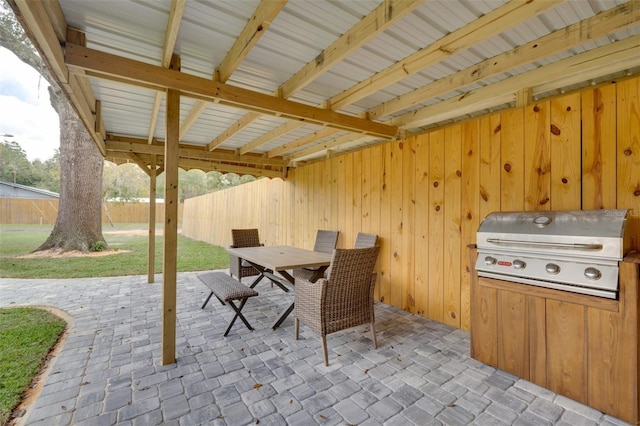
column 26, row 211
column 425, row 196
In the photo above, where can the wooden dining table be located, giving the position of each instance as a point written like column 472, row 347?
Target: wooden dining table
column 269, row 260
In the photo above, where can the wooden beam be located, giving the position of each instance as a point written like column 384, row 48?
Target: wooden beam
column 171, row 33
column 251, row 33
column 137, row 160
column 256, row 27
column 385, row 15
column 486, row 26
column 275, row 133
column 247, row 119
column 388, row 13
column 217, row 166
column 109, row 66
column 192, row 117
column 47, row 28
column 42, row 32
column 57, row 19
column 600, row 25
column 170, row 249
column 154, row 116
column 315, row 136
column 170, row 37
column 100, row 128
column 324, row 146
column 139, row 146
column 604, row 60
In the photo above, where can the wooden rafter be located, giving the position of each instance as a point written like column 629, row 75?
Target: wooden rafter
column 251, row 33
column 236, row 127
column 170, row 37
column 191, row 118
column 277, row 132
column 380, row 19
column 324, row 146
column 107, row 66
column 48, row 29
column 604, row 60
column 486, row 26
column 256, row 27
column 310, row 138
column 597, row 26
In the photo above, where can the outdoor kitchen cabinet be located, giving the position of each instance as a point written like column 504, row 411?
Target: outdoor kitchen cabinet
column 583, row 347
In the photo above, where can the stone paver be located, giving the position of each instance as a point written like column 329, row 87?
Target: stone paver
column 109, row 371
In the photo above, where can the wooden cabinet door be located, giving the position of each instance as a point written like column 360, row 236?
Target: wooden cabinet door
column 613, row 352
column 537, row 340
column 513, row 333
column 484, row 323
column 566, row 349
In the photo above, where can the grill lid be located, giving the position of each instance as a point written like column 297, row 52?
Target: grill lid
column 576, row 233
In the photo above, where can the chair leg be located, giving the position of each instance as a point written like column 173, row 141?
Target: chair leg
column 296, row 326
column 373, row 335
column 325, row 353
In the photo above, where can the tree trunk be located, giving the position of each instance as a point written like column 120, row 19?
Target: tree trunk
column 79, row 222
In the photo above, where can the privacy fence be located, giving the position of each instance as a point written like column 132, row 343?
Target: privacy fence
column 426, row 195
column 26, row 211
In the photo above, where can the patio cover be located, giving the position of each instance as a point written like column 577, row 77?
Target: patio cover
column 257, row 87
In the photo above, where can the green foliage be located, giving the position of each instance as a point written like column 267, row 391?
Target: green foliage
column 98, row 246
column 16, row 168
column 125, row 182
column 27, row 336
column 128, row 182
column 14, row 165
column 131, row 258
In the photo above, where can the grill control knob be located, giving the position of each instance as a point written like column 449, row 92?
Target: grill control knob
column 592, row 273
column 552, row 268
column 519, row 264
column 490, row 261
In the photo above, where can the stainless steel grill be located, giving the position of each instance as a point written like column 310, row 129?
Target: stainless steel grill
column 575, row 251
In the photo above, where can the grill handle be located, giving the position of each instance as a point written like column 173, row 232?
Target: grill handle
column 577, row 246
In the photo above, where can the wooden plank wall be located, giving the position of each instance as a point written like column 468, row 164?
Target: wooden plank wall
column 26, row 211
column 264, row 204
column 425, row 196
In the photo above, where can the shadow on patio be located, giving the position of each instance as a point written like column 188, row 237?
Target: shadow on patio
column 109, row 371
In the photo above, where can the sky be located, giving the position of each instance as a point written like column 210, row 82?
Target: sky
column 25, row 111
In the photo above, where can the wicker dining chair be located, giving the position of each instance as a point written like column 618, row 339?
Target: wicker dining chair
column 243, row 238
column 342, row 301
column 364, row 240
column 325, row 243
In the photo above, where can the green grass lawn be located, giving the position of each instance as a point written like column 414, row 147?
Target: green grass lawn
column 132, row 260
column 27, row 335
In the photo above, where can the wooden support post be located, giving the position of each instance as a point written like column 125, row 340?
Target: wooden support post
column 153, row 174
column 170, row 251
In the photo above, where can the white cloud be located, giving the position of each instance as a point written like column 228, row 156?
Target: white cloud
column 25, row 111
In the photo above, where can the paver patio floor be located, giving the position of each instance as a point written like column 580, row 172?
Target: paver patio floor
column 109, row 371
